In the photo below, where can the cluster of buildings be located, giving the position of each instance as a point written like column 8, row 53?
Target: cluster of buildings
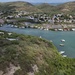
column 23, row 19
column 62, row 18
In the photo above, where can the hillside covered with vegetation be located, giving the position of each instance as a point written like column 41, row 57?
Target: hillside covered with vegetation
column 29, row 55
column 18, row 6
column 45, row 7
column 68, row 7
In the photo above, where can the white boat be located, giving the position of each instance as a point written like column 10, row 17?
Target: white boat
column 12, row 25
column 15, row 26
column 60, row 29
column 61, row 44
column 61, row 52
column 62, row 40
column 73, row 29
column 64, row 55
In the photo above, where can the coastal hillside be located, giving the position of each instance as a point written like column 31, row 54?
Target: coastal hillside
column 68, row 7
column 45, row 7
column 18, row 6
column 29, row 55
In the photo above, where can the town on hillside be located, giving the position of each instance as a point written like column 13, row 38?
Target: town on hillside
column 46, row 21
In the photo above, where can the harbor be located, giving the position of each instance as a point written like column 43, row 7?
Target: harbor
column 54, row 37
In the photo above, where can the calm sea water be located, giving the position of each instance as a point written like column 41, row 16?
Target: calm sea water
column 69, row 36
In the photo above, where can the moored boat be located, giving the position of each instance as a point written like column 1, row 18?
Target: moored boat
column 62, row 40
column 64, row 55
column 61, row 52
column 61, row 44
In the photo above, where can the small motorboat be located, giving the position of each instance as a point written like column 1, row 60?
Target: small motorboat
column 64, row 55
column 61, row 44
column 61, row 52
column 62, row 40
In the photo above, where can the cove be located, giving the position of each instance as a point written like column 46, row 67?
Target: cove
column 55, row 36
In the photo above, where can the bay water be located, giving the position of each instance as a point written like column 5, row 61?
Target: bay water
column 55, row 36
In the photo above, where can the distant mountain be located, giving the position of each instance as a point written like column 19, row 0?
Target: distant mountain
column 45, row 7
column 68, row 7
column 19, row 6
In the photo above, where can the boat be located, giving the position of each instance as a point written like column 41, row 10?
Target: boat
column 62, row 40
column 60, row 29
column 64, row 55
column 73, row 29
column 61, row 44
column 61, row 52
column 12, row 25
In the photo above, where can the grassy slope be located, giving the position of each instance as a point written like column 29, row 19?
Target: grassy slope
column 45, row 7
column 31, row 50
column 19, row 6
column 68, row 7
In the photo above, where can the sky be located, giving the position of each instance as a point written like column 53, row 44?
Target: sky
column 38, row 1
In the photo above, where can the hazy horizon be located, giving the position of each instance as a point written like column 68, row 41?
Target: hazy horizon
column 40, row 1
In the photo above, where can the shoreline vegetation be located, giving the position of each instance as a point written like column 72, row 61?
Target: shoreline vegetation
column 31, row 55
